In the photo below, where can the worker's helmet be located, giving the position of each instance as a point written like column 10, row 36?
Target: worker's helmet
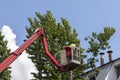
column 73, row 45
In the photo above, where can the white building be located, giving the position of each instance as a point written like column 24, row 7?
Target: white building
column 108, row 71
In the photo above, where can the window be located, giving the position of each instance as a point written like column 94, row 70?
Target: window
column 92, row 78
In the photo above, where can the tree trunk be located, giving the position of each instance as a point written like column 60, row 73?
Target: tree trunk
column 70, row 75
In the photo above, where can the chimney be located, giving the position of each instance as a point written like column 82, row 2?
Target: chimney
column 101, row 59
column 110, row 55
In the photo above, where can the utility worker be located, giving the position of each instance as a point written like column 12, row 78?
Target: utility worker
column 74, row 50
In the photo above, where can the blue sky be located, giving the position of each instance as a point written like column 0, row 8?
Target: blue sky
column 84, row 15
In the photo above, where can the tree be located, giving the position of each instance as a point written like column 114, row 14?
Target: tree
column 58, row 36
column 4, row 52
column 98, row 42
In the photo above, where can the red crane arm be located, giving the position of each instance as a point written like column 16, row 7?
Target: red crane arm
column 12, row 57
column 49, row 55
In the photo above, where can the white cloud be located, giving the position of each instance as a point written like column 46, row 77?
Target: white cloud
column 22, row 66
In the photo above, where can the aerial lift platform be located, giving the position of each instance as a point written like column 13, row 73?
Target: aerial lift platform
column 69, row 57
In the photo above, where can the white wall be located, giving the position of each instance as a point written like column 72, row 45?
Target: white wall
column 111, row 74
